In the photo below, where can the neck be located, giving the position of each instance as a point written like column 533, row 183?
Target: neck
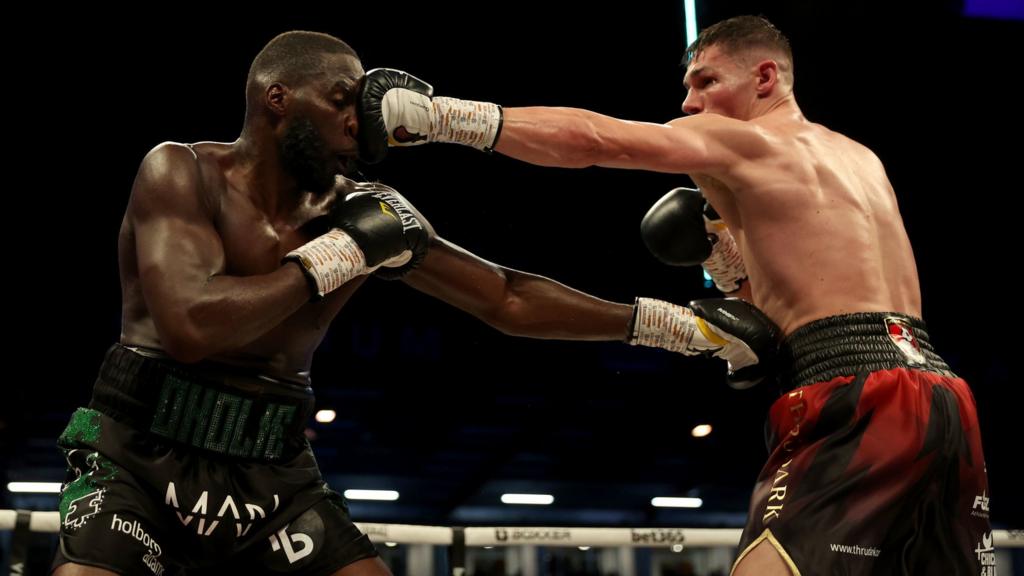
column 258, row 159
column 782, row 105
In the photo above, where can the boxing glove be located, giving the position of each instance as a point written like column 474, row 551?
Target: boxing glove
column 370, row 228
column 727, row 328
column 682, row 229
column 397, row 109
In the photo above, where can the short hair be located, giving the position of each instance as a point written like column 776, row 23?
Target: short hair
column 292, row 57
column 741, row 34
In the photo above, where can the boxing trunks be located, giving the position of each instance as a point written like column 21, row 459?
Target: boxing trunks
column 875, row 465
column 194, row 469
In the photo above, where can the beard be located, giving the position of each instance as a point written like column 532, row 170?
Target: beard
column 306, row 157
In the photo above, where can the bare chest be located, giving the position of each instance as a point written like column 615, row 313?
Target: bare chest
column 253, row 243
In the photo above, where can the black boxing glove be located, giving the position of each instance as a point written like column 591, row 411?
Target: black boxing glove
column 727, row 328
column 371, row 228
column 396, row 109
column 374, row 135
column 682, row 229
column 417, row 231
column 753, row 338
column 673, row 229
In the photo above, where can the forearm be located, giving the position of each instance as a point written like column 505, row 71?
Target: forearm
column 561, row 137
column 517, row 303
column 399, row 109
column 539, row 307
column 228, row 312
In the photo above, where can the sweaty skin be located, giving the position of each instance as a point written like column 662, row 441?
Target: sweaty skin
column 207, row 226
column 812, row 211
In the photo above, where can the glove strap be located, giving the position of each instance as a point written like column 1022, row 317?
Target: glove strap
column 330, row 260
column 661, row 324
column 725, row 264
column 475, row 124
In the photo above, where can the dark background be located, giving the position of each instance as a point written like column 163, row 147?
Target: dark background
column 430, row 401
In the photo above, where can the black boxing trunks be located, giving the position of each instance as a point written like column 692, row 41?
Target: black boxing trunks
column 875, row 465
column 193, row 469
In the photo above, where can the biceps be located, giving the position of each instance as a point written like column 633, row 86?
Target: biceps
column 661, row 148
column 176, row 259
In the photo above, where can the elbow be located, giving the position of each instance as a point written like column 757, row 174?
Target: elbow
column 185, row 343
column 509, row 324
column 512, row 316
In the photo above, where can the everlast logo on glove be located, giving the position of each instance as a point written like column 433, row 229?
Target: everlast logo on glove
column 405, row 215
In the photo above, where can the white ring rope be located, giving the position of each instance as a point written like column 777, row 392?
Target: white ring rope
column 515, row 535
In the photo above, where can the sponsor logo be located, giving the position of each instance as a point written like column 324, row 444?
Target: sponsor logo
column 134, row 529
column 532, row 535
column 82, row 509
column 403, row 212
column 282, row 540
column 855, row 550
column 980, row 508
column 387, row 210
column 902, row 335
column 657, row 536
column 986, row 555
column 299, row 541
column 206, row 522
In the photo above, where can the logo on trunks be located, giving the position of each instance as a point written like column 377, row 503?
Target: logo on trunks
column 986, row 555
column 855, row 549
column 134, row 529
column 980, row 508
column 657, row 536
column 902, row 335
column 778, row 493
column 81, row 509
column 283, row 540
column 201, row 507
column 532, row 535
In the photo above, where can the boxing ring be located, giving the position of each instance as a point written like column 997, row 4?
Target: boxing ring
column 521, row 545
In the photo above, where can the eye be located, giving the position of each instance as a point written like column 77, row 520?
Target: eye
column 344, row 99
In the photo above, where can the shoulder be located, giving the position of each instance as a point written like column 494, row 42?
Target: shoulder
column 855, row 150
column 168, row 164
column 170, row 175
column 728, row 136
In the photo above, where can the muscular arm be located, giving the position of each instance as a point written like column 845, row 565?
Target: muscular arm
column 514, row 302
column 196, row 309
column 576, row 138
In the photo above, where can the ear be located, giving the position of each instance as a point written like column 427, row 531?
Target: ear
column 767, row 77
column 277, row 96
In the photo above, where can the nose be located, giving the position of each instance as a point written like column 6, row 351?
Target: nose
column 351, row 125
column 692, row 103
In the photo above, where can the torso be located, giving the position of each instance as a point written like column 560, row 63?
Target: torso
column 253, row 244
column 818, row 224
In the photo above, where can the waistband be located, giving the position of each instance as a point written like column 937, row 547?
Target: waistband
column 212, row 407
column 850, row 343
